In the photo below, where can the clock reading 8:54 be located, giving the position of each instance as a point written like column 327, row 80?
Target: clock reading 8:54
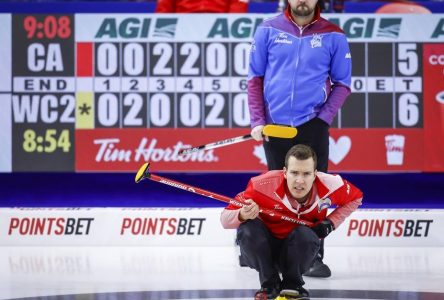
column 49, row 142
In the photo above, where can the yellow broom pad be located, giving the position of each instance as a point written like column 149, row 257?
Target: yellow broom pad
column 280, row 131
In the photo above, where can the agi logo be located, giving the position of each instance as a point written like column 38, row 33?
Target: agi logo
column 130, row 28
column 389, row 27
column 356, row 27
column 165, row 27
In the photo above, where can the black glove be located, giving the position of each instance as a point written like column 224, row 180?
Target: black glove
column 324, row 228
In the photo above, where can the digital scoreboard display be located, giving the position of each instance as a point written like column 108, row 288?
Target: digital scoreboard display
column 43, row 99
column 104, row 92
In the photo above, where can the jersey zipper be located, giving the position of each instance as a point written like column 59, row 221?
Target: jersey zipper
column 301, row 31
column 293, row 87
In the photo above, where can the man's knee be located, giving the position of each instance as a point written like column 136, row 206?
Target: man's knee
column 252, row 234
column 305, row 237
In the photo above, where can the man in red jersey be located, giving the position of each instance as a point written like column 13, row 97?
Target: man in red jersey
column 202, row 6
column 272, row 246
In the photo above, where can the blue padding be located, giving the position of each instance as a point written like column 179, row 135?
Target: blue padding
column 406, row 190
column 78, row 7
column 97, row 6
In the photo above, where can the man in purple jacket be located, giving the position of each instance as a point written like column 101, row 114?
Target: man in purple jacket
column 299, row 75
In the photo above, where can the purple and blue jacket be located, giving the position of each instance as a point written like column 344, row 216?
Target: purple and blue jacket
column 297, row 73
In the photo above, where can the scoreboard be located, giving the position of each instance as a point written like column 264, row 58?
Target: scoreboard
column 386, row 87
column 106, row 92
column 43, row 99
column 180, row 85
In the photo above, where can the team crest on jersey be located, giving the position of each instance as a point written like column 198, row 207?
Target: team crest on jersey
column 324, row 204
column 316, row 41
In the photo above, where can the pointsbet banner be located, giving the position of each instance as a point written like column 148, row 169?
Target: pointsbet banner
column 108, row 92
column 200, row 227
column 113, row 226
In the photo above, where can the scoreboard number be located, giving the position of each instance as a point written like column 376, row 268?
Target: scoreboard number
column 132, row 116
column 161, row 84
column 190, row 110
column 134, row 84
column 241, row 113
column 241, row 58
column 107, row 59
column 407, row 59
column 215, row 103
column 216, row 61
column 133, row 58
column 191, row 52
column 408, row 111
column 188, row 84
column 160, row 110
column 162, row 66
column 108, row 110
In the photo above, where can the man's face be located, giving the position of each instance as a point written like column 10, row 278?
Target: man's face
column 300, row 175
column 302, row 8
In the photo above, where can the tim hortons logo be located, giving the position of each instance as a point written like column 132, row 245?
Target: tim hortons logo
column 109, row 151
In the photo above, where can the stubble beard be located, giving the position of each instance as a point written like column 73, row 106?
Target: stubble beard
column 302, row 10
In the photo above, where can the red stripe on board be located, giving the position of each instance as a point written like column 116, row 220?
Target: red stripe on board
column 85, row 59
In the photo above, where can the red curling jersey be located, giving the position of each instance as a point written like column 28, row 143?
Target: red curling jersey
column 202, row 6
column 269, row 191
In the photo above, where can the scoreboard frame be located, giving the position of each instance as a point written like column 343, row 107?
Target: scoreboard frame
column 76, row 76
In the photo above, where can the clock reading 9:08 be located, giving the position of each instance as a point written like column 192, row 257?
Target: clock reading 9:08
column 51, row 27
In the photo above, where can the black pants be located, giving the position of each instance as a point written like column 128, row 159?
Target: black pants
column 269, row 255
column 315, row 134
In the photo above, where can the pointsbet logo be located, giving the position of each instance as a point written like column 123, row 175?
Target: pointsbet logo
column 50, row 226
column 162, row 226
column 389, row 228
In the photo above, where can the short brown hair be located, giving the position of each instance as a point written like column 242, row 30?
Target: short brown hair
column 301, row 152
